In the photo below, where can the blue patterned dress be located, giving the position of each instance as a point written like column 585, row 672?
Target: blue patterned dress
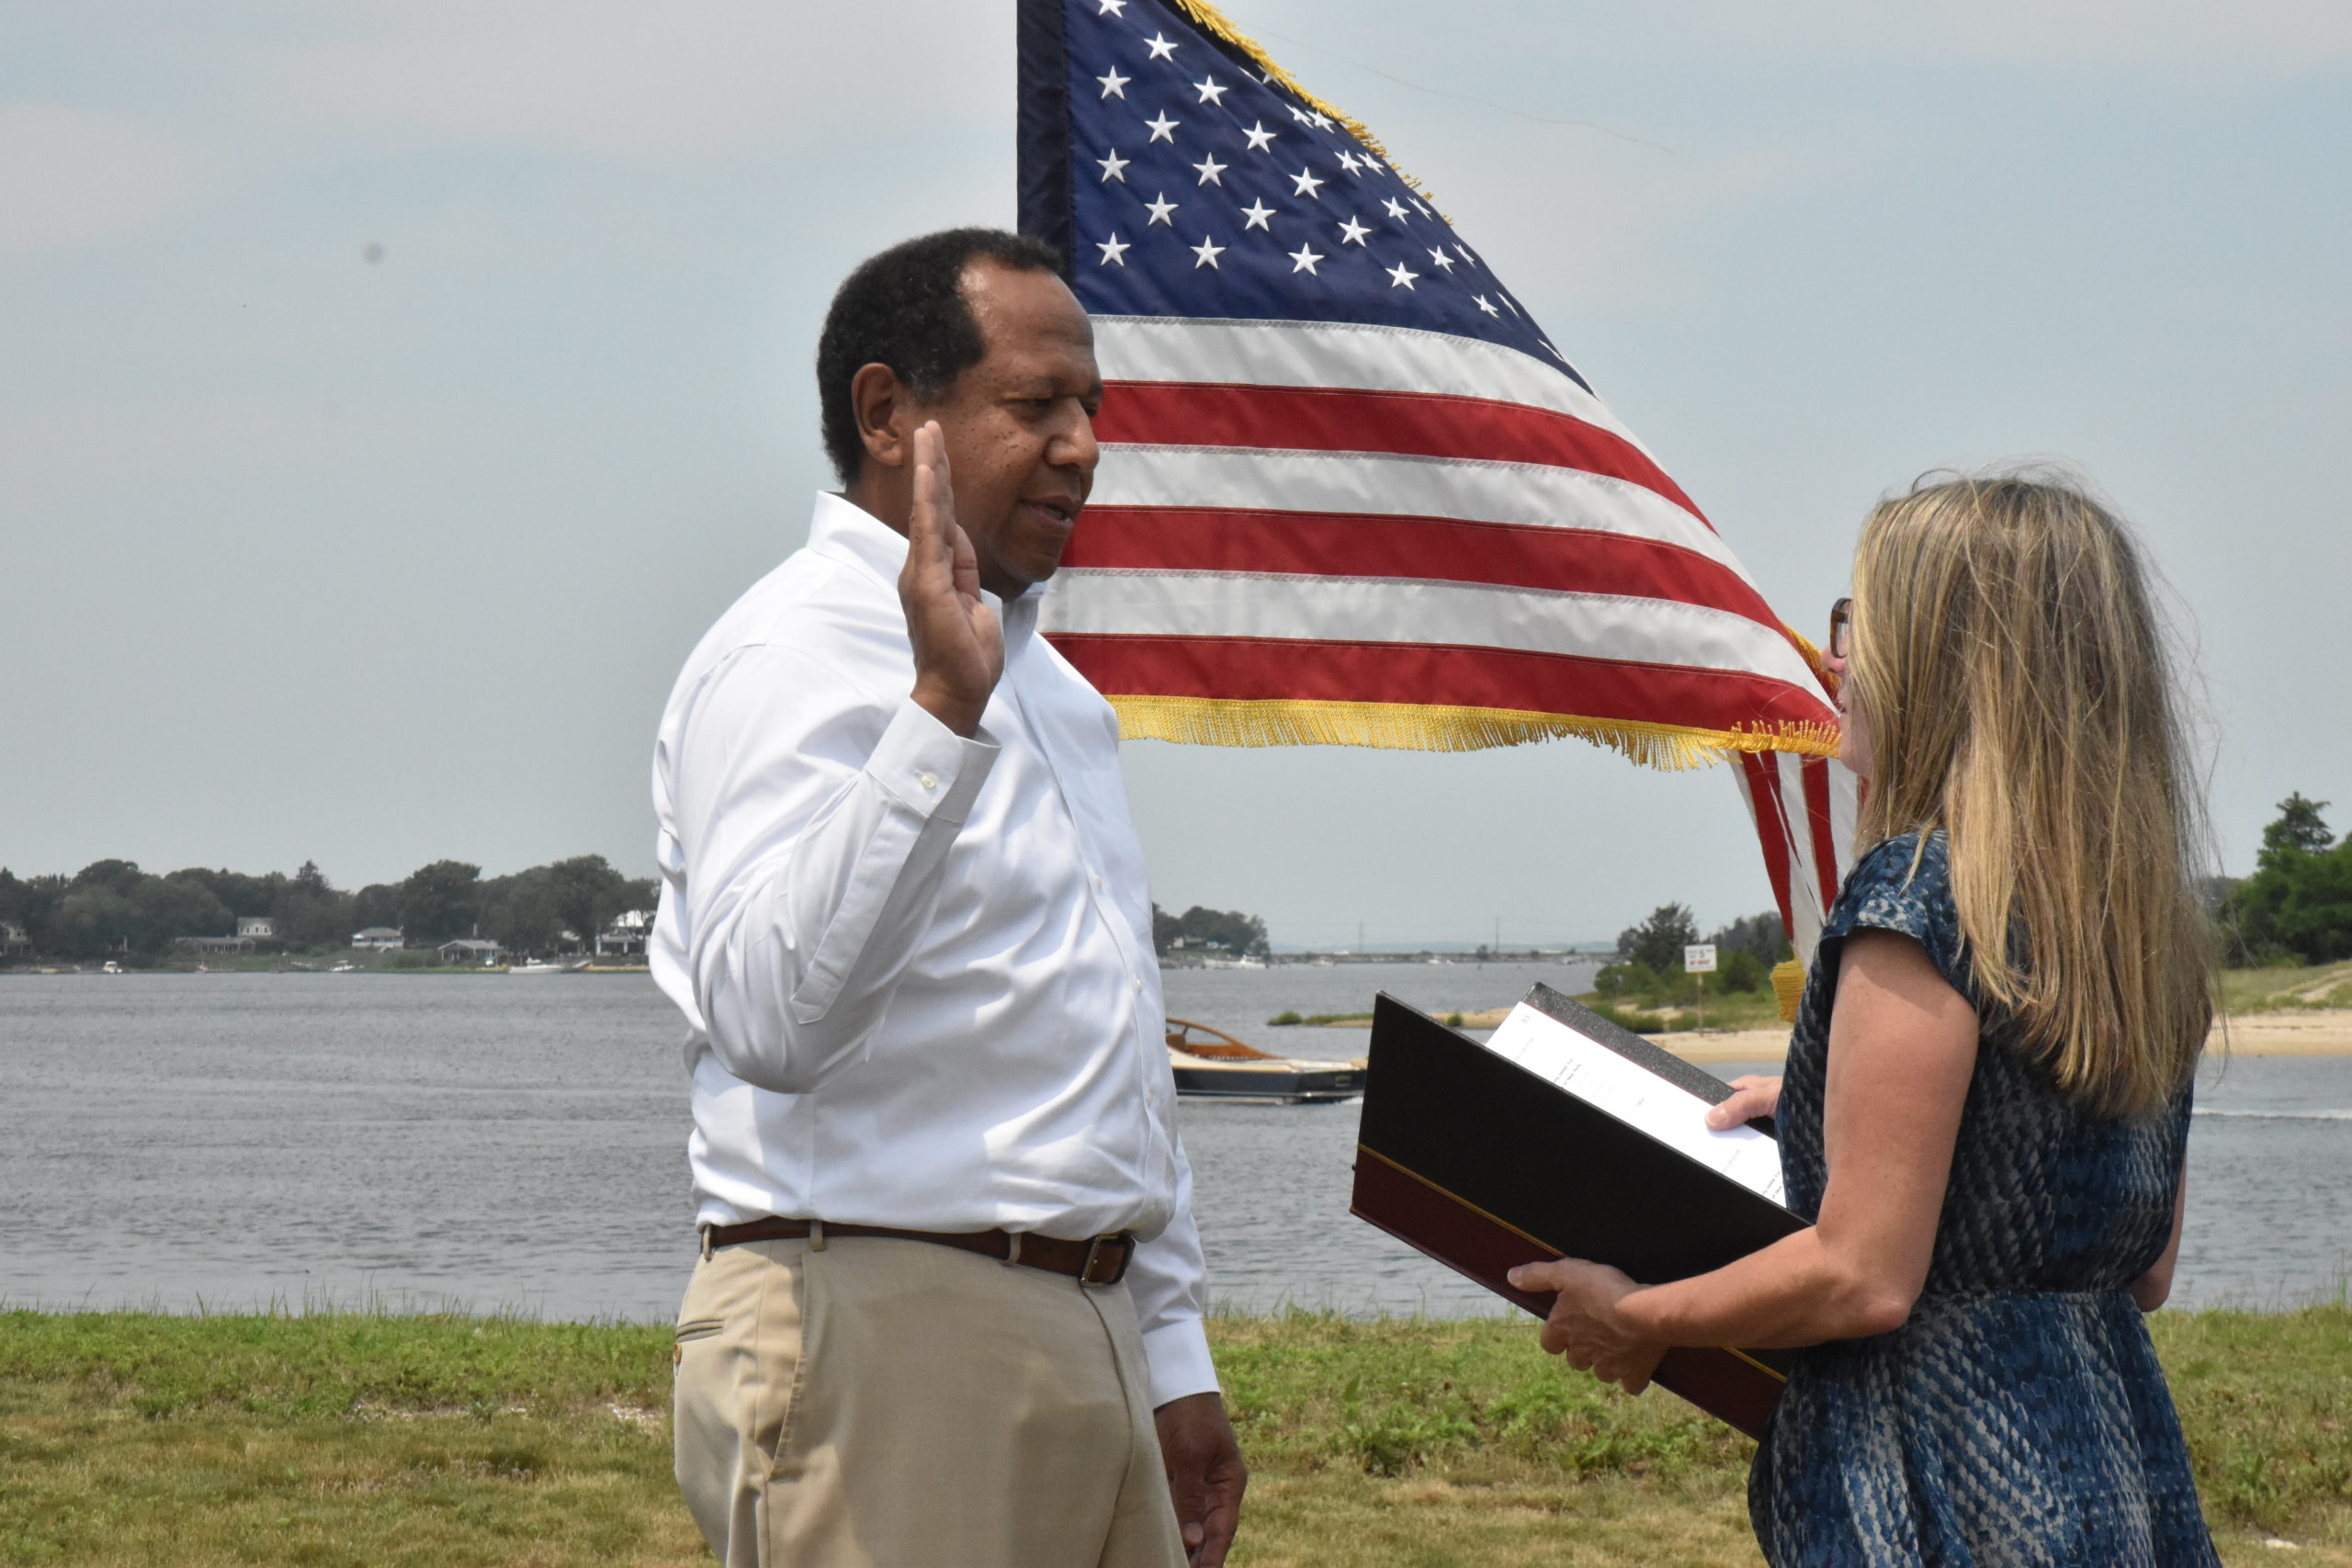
column 2019, row 1417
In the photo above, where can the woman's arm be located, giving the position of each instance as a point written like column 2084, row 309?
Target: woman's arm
column 2149, row 1291
column 1902, row 1051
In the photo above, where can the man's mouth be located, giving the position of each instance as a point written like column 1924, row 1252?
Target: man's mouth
column 1055, row 511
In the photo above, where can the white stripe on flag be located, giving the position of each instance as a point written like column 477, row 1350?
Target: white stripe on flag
column 1118, row 603
column 1804, row 876
column 1532, row 495
column 1339, row 353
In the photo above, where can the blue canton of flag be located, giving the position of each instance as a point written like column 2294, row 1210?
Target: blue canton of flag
column 1201, row 185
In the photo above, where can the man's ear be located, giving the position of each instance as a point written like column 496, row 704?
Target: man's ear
column 883, row 408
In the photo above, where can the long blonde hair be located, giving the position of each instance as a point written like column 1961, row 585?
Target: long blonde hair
column 2014, row 676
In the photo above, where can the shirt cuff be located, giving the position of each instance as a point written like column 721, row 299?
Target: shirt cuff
column 1178, row 1355
column 927, row 767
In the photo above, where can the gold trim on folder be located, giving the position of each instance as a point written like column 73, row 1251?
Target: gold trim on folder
column 1453, row 1196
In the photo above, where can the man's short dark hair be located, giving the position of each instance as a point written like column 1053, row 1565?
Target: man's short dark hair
column 905, row 308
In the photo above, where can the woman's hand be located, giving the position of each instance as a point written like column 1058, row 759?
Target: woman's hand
column 1755, row 1096
column 1585, row 1325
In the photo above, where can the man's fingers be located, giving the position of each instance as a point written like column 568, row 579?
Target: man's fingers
column 928, row 529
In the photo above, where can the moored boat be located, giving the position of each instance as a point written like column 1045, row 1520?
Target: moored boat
column 1212, row 1065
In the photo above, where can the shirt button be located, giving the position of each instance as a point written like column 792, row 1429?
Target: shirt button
column 1098, row 883
column 1138, row 987
column 930, row 781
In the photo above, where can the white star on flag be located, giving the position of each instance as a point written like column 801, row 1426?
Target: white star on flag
column 1114, row 85
column 1161, row 206
column 1114, row 8
column 1211, row 170
column 1439, row 259
column 1307, row 183
column 1305, row 260
column 1348, row 161
column 1260, row 139
column 1397, row 210
column 1257, row 213
column 1301, row 115
column 1114, row 167
column 1113, row 249
column 1161, row 48
column 1163, row 128
column 1400, row 278
column 1208, row 250
column 1485, row 304
column 1352, row 233
column 1209, row 91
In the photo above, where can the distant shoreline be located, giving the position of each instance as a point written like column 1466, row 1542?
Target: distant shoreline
column 2315, row 1032
column 2325, row 1032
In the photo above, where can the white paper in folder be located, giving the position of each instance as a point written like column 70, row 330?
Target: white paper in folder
column 1637, row 1096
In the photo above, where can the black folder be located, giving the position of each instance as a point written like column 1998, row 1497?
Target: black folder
column 1482, row 1165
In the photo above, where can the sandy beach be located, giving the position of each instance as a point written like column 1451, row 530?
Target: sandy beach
column 2316, row 1032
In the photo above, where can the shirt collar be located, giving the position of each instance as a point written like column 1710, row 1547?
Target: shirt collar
column 847, row 532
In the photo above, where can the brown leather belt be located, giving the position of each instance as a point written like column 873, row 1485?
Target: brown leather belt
column 1097, row 1261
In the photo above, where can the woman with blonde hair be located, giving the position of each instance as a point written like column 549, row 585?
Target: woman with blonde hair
column 1986, row 1106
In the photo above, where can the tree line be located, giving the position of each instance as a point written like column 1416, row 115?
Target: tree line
column 1227, row 932
column 1649, row 956
column 113, row 909
column 2297, row 907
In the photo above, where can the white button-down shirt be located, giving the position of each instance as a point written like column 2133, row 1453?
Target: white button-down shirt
column 917, row 969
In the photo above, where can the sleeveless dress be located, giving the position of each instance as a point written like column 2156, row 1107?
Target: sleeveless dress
column 2019, row 1417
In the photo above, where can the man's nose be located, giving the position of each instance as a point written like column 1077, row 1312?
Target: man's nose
column 1074, row 446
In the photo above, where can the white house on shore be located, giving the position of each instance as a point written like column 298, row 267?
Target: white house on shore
column 627, row 933
column 469, row 950
column 388, row 938
column 256, row 928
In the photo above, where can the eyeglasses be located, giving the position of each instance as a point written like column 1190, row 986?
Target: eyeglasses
column 1841, row 629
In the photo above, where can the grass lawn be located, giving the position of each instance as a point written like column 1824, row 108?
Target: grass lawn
column 2287, row 988
column 366, row 1439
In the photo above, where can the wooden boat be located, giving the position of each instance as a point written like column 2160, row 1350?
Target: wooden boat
column 1212, row 1065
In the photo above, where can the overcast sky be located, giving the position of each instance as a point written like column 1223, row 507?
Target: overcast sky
column 373, row 561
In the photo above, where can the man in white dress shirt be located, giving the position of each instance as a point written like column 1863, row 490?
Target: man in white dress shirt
column 948, row 1310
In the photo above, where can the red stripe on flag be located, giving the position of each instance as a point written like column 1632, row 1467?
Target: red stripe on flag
column 1763, row 774
column 1815, row 770
column 1443, row 549
column 1259, row 669
column 1325, row 419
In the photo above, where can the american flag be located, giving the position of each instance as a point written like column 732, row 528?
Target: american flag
column 1350, row 491
column 1804, row 810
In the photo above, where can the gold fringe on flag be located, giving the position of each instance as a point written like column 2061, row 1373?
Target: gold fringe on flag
column 1411, row 727
column 1211, row 20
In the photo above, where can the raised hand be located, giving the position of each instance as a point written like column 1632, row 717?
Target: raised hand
column 959, row 648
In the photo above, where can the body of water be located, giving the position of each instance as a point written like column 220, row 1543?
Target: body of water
column 495, row 1142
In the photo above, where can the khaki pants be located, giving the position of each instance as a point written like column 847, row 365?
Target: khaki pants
column 882, row 1404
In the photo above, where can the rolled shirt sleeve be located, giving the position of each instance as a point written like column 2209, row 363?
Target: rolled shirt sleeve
column 819, row 826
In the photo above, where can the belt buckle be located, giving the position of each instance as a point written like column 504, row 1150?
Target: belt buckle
column 1094, row 1249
